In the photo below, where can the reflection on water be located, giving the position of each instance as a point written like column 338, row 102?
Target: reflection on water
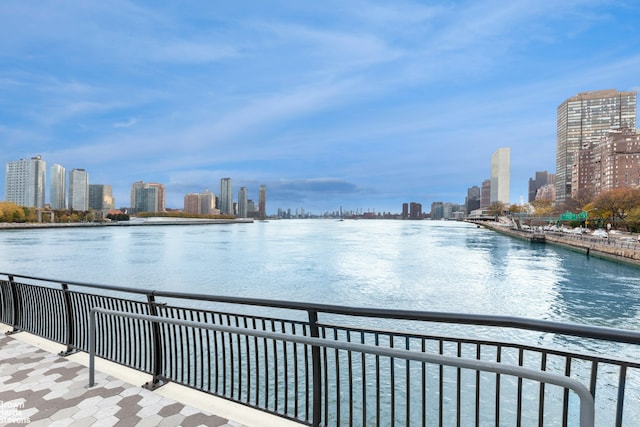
column 426, row 265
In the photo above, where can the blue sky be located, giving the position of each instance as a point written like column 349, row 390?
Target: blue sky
column 359, row 104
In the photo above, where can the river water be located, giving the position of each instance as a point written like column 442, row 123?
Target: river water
column 415, row 265
column 421, row 265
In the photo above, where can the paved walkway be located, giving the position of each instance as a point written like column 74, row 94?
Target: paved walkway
column 44, row 389
column 40, row 388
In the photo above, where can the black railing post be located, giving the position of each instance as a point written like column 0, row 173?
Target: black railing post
column 157, row 380
column 316, row 373
column 16, row 307
column 69, row 321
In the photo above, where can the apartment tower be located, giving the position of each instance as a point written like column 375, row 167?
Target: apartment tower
column 78, row 190
column 58, row 187
column 101, row 198
column 262, row 202
column 226, row 197
column 25, row 182
column 243, row 197
column 583, row 120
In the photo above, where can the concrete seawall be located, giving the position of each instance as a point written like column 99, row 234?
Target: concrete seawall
column 132, row 223
column 613, row 248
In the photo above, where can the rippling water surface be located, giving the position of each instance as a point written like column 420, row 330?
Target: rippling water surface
column 423, row 265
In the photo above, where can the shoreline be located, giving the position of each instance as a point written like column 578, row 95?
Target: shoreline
column 610, row 249
column 154, row 221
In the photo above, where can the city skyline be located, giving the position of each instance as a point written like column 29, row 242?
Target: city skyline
column 359, row 105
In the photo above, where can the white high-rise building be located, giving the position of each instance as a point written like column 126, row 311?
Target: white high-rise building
column 25, row 182
column 58, row 187
column 78, row 190
column 226, row 197
column 500, row 175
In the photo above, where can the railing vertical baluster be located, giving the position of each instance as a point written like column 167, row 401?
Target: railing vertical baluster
column 621, row 386
column 256, row 359
column 392, row 373
column 478, row 357
column 265, row 350
column 248, row 362
column 364, row 382
column 565, row 397
column 285, row 369
column 191, row 347
column 424, row 385
column 338, row 400
column 498, row 359
column 459, row 388
column 325, row 362
column 231, row 358
column 69, row 321
column 296, row 379
column 16, row 306
column 377, row 343
column 408, row 386
column 275, row 368
column 316, row 370
column 594, row 378
column 519, row 392
column 307, row 381
column 543, row 367
column 217, row 358
column 441, row 387
column 350, row 364
column 156, row 381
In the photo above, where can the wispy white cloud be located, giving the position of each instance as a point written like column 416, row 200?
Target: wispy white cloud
column 127, row 124
column 373, row 94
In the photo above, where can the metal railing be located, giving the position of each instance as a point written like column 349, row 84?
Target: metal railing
column 586, row 400
column 333, row 365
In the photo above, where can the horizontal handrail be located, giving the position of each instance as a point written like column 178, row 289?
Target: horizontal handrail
column 584, row 331
column 587, row 410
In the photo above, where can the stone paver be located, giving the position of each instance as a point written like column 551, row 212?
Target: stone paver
column 41, row 388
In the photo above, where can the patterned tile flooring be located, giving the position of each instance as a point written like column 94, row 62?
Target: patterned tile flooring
column 39, row 388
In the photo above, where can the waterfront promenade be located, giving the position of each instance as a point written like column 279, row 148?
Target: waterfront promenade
column 40, row 388
column 620, row 249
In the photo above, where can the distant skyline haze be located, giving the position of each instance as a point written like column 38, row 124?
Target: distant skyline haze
column 360, row 104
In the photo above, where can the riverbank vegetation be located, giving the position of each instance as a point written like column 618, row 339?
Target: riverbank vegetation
column 10, row 212
column 619, row 207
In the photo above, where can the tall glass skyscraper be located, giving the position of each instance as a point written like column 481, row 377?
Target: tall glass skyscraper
column 25, row 182
column 242, row 202
column 226, row 197
column 583, row 120
column 57, row 187
column 78, row 190
column 262, row 202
